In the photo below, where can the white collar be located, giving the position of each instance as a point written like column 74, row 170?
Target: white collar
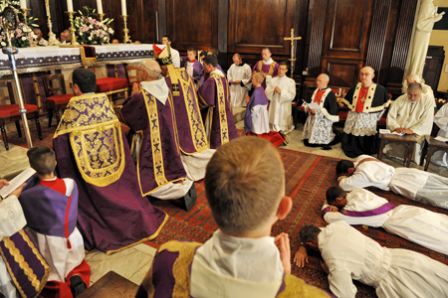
column 269, row 62
column 217, row 72
column 158, row 88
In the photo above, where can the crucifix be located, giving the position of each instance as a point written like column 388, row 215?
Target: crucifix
column 293, row 40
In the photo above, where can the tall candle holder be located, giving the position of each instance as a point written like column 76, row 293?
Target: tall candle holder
column 126, row 36
column 72, row 27
column 101, row 16
column 52, row 40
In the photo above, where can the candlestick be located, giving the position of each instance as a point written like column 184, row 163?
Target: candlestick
column 72, row 27
column 124, row 10
column 101, row 16
column 126, row 36
column 52, row 40
column 99, row 6
column 70, row 5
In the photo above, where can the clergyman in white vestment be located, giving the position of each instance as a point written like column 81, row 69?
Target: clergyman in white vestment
column 362, row 207
column 411, row 113
column 411, row 183
column 349, row 255
column 441, row 120
column 239, row 76
column 281, row 91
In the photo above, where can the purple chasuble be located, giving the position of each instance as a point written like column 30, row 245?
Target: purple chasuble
column 267, row 69
column 189, row 125
column 258, row 97
column 158, row 138
column 47, row 211
column 215, row 97
column 20, row 254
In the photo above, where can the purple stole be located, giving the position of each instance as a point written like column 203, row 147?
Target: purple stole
column 187, row 114
column 49, row 212
column 26, row 266
column 377, row 211
column 258, row 98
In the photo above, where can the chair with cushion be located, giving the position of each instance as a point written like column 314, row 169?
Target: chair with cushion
column 116, row 84
column 10, row 112
column 56, row 96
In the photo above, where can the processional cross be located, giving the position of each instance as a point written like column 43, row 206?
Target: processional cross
column 293, row 40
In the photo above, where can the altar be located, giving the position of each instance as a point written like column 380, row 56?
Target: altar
column 64, row 59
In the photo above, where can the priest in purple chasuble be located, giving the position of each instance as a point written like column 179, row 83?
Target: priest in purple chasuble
column 192, row 138
column 23, row 270
column 91, row 149
column 148, row 112
column 267, row 65
column 215, row 98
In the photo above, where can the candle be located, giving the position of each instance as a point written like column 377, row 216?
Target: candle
column 99, row 6
column 124, row 10
column 70, row 5
column 23, row 4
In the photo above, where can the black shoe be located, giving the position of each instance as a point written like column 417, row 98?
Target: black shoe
column 188, row 201
column 77, row 286
column 326, row 147
column 308, row 144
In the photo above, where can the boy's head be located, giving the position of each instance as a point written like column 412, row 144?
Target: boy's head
column 191, row 55
column 84, row 81
column 336, row 196
column 245, row 186
column 42, row 160
column 345, row 168
column 257, row 79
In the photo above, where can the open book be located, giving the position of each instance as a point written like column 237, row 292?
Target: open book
column 16, row 182
column 388, row 132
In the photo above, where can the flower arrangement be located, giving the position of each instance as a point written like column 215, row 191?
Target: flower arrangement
column 91, row 31
column 23, row 34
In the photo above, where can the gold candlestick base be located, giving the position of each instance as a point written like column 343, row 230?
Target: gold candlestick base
column 101, row 17
column 126, row 36
column 72, row 27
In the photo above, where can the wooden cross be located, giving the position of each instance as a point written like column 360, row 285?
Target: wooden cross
column 293, row 40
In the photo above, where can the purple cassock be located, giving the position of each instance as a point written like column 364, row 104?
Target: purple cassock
column 92, row 150
column 159, row 160
column 190, row 127
column 47, row 211
column 198, row 70
column 258, row 98
column 219, row 123
column 267, row 69
column 26, row 266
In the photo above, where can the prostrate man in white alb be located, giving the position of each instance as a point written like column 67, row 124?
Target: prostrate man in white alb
column 411, row 183
column 362, row 207
column 281, row 91
column 350, row 255
column 410, row 114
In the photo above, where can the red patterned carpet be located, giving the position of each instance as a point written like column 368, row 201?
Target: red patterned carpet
column 308, row 177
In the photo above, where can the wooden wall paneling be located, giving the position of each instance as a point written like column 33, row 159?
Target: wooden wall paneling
column 301, row 28
column 314, row 39
column 401, row 45
column 192, row 23
column 161, row 13
column 343, row 72
column 142, row 20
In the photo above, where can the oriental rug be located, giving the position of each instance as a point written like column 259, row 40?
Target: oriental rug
column 307, row 178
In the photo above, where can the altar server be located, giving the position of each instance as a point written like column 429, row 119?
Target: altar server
column 239, row 76
column 411, row 183
column 18, row 252
column 322, row 113
column 366, row 102
column 174, row 53
column 441, row 120
column 92, row 150
column 267, row 65
column 349, row 255
column 160, row 171
column 410, row 114
column 281, row 91
column 256, row 119
column 50, row 205
column 193, row 67
column 214, row 97
column 362, row 207
column 241, row 259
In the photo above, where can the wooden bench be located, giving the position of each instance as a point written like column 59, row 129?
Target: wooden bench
column 408, row 141
column 111, row 285
column 434, row 146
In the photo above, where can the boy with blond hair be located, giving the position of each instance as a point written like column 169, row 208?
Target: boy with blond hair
column 241, row 259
